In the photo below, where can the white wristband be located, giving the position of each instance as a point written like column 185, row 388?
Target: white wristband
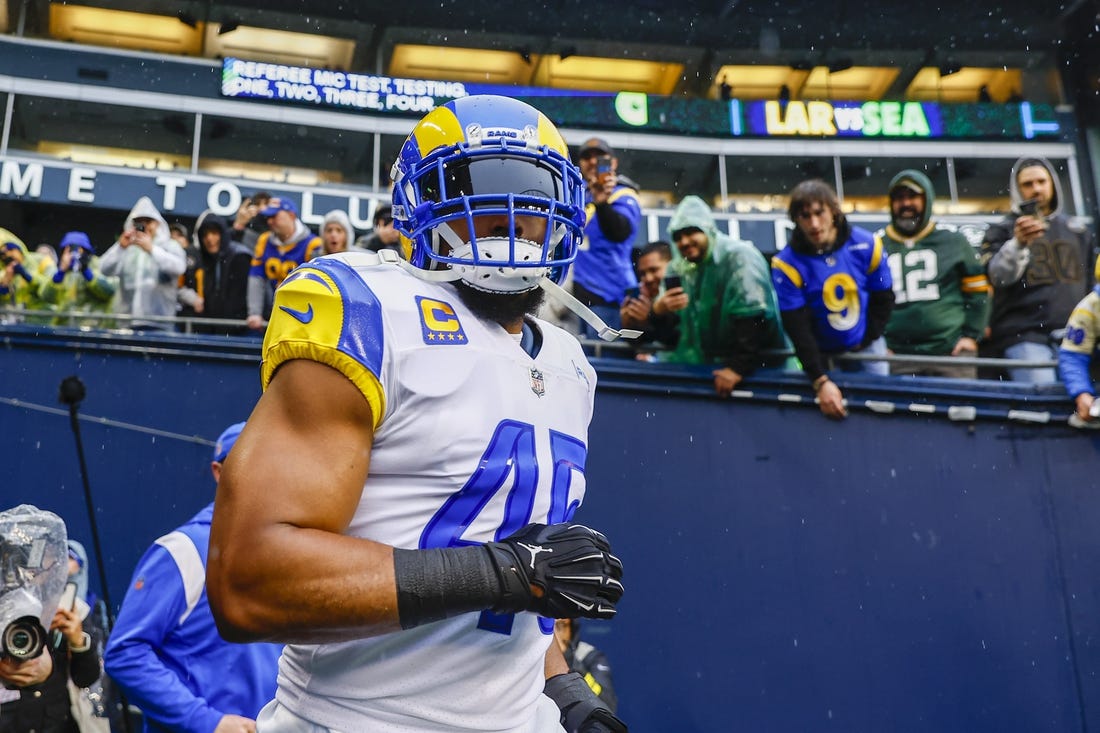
column 85, row 643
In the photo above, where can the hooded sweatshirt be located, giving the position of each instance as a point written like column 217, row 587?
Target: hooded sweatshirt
column 732, row 313
column 341, row 218
column 1035, row 288
column 148, row 281
column 220, row 279
column 940, row 287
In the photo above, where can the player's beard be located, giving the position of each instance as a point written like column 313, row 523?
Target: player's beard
column 504, row 308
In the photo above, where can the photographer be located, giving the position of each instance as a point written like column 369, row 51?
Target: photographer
column 602, row 271
column 22, row 276
column 78, row 284
column 148, row 265
column 35, row 693
column 247, row 224
column 1039, row 261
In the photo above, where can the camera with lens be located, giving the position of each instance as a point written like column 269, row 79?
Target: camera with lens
column 21, row 633
column 33, row 573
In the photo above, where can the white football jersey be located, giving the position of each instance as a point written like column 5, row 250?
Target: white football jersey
column 474, row 439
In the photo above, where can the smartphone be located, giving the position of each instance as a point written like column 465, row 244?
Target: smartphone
column 68, row 597
column 635, row 291
column 139, row 226
column 603, row 166
column 1030, row 207
column 672, row 281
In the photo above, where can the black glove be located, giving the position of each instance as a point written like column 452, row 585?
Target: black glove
column 581, row 710
column 571, row 564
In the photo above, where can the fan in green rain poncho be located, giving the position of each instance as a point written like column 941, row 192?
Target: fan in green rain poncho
column 78, row 285
column 732, row 315
column 23, row 274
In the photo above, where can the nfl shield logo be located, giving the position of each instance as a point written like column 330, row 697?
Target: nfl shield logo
column 538, row 386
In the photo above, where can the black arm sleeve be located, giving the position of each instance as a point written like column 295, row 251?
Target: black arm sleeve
column 746, row 335
column 880, row 305
column 439, row 583
column 84, row 666
column 664, row 329
column 614, row 225
column 799, row 328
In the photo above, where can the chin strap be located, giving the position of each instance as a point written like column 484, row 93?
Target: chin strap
column 606, row 332
column 552, row 289
column 389, row 257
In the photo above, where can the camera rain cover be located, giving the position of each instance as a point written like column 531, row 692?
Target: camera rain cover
column 34, row 564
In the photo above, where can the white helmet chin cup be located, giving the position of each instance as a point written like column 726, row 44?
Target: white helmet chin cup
column 497, row 278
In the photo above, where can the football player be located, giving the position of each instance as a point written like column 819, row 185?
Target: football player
column 398, row 508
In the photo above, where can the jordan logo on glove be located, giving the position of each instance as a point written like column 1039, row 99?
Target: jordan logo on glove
column 534, row 550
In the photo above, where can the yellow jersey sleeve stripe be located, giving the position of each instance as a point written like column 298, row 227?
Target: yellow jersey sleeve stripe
column 616, row 195
column 792, row 274
column 367, row 384
column 876, row 254
column 326, row 312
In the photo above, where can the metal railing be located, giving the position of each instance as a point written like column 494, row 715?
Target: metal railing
column 109, row 321
column 594, row 347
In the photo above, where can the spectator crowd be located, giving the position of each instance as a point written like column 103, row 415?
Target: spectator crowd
column 833, row 299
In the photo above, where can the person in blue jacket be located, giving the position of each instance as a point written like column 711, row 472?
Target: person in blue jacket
column 603, row 270
column 165, row 651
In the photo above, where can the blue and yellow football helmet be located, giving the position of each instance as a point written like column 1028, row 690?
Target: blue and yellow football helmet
column 489, row 156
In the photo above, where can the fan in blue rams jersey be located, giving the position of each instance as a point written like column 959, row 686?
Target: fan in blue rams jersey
column 835, row 290
column 399, row 507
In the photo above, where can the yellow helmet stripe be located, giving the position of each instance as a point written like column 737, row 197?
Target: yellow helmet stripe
column 550, row 137
column 439, row 128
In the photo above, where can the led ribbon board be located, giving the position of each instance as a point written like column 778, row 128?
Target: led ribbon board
column 654, row 113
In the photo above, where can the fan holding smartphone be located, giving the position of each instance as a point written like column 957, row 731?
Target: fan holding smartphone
column 720, row 291
column 603, row 270
column 42, row 681
column 1040, row 262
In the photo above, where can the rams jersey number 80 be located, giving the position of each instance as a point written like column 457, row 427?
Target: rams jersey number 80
column 474, row 439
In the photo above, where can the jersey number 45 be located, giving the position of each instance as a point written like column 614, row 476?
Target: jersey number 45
column 509, row 463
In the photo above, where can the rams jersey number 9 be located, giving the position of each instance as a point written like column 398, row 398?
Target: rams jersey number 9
column 473, row 440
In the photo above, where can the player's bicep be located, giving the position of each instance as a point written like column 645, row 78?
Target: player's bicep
column 303, row 456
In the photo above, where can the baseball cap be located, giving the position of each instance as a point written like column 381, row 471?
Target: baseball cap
column 76, row 239
column 597, row 145
column 907, row 183
column 275, row 204
column 226, row 441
